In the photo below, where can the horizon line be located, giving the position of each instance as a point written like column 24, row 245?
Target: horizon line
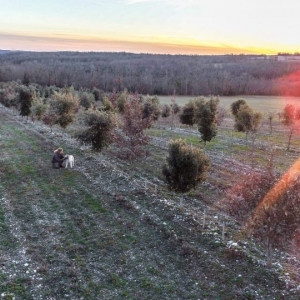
column 151, row 53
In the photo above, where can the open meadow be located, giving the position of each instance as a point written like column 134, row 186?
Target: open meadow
column 264, row 104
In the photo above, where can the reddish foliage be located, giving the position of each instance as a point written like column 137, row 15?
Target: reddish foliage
column 132, row 135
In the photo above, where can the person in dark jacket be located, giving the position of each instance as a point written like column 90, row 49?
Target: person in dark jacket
column 58, row 158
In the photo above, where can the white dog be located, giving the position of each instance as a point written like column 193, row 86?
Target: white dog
column 70, row 160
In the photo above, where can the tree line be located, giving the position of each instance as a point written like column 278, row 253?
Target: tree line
column 154, row 74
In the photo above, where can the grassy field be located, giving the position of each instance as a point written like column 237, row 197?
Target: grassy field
column 263, row 104
column 111, row 229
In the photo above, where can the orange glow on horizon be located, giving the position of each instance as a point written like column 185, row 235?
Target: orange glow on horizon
column 158, row 45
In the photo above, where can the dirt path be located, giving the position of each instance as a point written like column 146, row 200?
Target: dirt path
column 95, row 232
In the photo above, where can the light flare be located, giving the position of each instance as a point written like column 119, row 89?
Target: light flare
column 290, row 84
column 279, row 188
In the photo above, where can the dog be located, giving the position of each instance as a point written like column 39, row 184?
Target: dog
column 70, row 161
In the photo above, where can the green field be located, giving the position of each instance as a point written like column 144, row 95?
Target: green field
column 263, row 104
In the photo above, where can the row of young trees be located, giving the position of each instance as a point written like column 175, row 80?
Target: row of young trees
column 120, row 119
column 100, row 111
column 265, row 200
column 208, row 115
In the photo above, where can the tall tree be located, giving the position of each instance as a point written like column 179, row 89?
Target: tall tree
column 207, row 119
column 26, row 99
column 290, row 118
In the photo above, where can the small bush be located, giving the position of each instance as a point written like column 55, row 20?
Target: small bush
column 132, row 137
column 151, row 108
column 175, row 108
column 235, row 106
column 86, row 100
column 38, row 110
column 186, row 166
column 247, row 120
column 187, row 115
column 165, row 111
column 100, row 125
column 97, row 94
column 64, row 105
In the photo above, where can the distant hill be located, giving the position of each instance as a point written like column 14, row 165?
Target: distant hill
column 4, row 51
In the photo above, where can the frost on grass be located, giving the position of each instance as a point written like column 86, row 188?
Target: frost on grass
column 134, row 205
column 18, row 263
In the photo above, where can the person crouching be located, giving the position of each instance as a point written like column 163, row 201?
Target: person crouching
column 58, row 158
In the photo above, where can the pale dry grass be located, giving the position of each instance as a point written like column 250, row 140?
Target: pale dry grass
column 264, row 104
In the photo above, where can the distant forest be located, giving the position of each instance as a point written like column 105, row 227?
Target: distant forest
column 155, row 74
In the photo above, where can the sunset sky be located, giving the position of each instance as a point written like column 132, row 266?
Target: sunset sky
column 151, row 26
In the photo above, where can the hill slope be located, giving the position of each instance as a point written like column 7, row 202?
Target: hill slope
column 96, row 232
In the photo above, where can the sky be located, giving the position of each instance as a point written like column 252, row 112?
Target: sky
column 151, row 26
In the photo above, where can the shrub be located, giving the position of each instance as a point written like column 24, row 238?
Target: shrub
column 132, row 135
column 49, row 118
column 186, row 166
column 9, row 97
column 97, row 94
column 165, row 111
column 86, row 100
column 64, row 105
column 121, row 101
column 247, row 120
column 99, row 131
column 187, row 115
column 107, row 104
column 235, row 106
column 175, row 108
column 26, row 99
column 38, row 109
column 151, row 108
